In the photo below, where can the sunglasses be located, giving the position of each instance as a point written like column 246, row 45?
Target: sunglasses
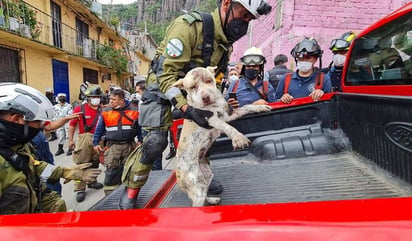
column 253, row 60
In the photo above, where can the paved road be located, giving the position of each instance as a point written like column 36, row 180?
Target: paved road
column 92, row 196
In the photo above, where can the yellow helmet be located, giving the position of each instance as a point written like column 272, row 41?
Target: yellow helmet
column 343, row 42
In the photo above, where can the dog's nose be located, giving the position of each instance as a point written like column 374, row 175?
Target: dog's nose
column 206, row 99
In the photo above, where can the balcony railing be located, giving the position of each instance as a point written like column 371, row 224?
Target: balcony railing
column 24, row 19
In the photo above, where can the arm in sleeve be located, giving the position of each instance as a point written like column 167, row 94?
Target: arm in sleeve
column 327, row 84
column 279, row 90
column 99, row 132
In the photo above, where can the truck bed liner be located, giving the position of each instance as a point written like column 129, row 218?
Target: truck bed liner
column 326, row 177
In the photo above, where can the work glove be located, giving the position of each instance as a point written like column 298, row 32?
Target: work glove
column 81, row 172
column 199, row 116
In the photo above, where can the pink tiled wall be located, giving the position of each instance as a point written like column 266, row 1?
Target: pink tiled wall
column 322, row 19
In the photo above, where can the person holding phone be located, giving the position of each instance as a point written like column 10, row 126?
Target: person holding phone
column 251, row 88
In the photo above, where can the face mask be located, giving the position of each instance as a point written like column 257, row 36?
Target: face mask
column 251, row 74
column 304, row 66
column 62, row 100
column 95, row 101
column 233, row 78
column 12, row 133
column 137, row 96
column 339, row 60
column 235, row 29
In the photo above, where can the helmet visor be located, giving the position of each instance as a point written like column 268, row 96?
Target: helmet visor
column 253, row 60
column 339, row 44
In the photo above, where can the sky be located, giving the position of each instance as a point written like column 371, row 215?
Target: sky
column 116, row 1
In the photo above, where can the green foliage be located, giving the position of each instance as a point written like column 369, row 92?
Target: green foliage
column 207, row 5
column 111, row 57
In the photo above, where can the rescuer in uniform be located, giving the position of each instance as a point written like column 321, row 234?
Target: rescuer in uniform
column 23, row 113
column 83, row 151
column 118, row 124
column 191, row 40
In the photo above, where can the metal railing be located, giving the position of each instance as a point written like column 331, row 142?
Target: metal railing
column 30, row 22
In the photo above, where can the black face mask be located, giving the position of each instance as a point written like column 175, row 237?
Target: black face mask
column 62, row 99
column 235, row 29
column 12, row 134
column 251, row 74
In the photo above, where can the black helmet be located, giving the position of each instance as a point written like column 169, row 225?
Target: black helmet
column 93, row 91
column 308, row 46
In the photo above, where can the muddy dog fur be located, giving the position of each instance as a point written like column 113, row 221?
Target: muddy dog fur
column 192, row 166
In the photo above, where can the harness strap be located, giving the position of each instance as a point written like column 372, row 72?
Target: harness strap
column 319, row 84
column 86, row 127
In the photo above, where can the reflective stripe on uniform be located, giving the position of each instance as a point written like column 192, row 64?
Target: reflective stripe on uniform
column 47, row 172
column 115, row 128
column 140, row 177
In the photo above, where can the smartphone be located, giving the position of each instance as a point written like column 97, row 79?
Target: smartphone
column 232, row 95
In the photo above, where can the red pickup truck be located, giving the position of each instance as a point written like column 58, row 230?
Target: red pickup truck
column 336, row 169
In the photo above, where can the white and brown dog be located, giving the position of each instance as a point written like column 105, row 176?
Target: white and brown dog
column 192, row 168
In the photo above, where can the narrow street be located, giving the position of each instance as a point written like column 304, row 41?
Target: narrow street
column 92, row 196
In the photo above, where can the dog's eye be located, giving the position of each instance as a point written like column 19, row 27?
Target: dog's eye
column 194, row 87
column 208, row 81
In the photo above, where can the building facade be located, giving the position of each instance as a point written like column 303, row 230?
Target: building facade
column 292, row 20
column 59, row 44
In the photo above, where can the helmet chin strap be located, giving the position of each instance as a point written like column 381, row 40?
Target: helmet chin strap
column 26, row 130
column 230, row 10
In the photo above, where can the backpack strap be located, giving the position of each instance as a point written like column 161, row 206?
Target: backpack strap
column 265, row 88
column 288, row 77
column 208, row 34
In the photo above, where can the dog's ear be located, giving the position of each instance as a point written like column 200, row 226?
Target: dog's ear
column 179, row 83
column 211, row 69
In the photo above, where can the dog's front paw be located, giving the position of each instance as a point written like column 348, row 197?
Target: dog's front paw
column 262, row 108
column 240, row 141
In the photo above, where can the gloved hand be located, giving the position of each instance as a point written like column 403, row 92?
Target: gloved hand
column 199, row 116
column 81, row 172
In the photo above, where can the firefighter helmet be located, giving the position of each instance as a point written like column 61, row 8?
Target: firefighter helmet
column 256, row 7
column 93, row 90
column 343, row 42
column 253, row 56
column 307, row 46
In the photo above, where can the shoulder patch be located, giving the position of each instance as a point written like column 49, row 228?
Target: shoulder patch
column 174, row 48
column 192, row 17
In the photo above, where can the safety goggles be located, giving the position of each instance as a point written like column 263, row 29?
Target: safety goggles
column 305, row 48
column 253, row 60
column 339, row 44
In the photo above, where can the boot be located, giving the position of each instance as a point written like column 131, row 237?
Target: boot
column 69, row 152
column 128, row 198
column 215, row 188
column 172, row 153
column 53, row 136
column 60, row 150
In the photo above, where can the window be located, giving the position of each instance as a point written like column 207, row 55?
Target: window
column 384, row 56
column 82, row 31
column 90, row 75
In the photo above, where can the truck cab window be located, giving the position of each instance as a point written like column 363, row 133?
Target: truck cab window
column 384, row 56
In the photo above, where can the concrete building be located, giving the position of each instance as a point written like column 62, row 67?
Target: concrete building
column 292, row 20
column 58, row 44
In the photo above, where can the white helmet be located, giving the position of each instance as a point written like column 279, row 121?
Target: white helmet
column 253, row 56
column 25, row 100
column 255, row 7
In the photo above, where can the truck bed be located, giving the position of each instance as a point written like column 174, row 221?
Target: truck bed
column 247, row 180
column 326, row 177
